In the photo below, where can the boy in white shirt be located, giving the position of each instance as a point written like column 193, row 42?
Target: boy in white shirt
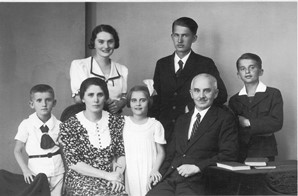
column 38, row 136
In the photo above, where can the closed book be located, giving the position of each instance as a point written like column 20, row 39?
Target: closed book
column 259, row 161
column 234, row 166
column 264, row 167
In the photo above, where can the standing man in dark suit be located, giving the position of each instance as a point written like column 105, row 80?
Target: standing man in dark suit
column 174, row 73
column 202, row 137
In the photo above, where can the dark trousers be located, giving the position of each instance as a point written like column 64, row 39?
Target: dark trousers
column 174, row 185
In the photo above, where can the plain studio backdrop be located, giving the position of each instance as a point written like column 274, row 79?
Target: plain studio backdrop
column 38, row 41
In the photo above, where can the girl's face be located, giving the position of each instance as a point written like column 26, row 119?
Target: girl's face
column 249, row 71
column 104, row 44
column 139, row 103
column 94, row 99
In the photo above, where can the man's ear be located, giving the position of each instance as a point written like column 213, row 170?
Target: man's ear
column 238, row 74
column 54, row 102
column 195, row 37
column 261, row 72
column 31, row 104
column 190, row 91
column 216, row 93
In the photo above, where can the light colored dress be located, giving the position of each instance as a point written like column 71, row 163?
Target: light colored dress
column 140, row 153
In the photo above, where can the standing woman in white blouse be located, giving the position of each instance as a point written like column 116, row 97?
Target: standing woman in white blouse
column 92, row 140
column 104, row 40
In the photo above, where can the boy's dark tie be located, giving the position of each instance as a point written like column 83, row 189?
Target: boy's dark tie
column 46, row 140
column 180, row 63
column 195, row 125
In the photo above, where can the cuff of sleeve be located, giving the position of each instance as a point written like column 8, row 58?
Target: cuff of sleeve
column 74, row 94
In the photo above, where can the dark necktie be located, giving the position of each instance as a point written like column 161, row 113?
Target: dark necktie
column 195, row 125
column 46, row 140
column 180, row 63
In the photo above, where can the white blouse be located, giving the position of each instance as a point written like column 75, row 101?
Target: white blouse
column 99, row 132
column 82, row 69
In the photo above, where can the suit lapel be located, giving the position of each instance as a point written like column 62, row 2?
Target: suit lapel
column 209, row 119
column 258, row 98
column 243, row 99
column 169, row 72
column 183, row 130
column 187, row 71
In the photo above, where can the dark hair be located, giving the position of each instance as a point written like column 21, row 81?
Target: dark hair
column 251, row 56
column 141, row 88
column 186, row 22
column 104, row 28
column 41, row 88
column 94, row 81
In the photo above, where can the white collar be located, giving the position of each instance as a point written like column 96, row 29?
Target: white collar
column 36, row 122
column 91, row 126
column 202, row 113
column 95, row 70
column 184, row 59
column 260, row 88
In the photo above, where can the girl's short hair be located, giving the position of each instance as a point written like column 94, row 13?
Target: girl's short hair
column 250, row 56
column 94, row 81
column 104, row 28
column 143, row 89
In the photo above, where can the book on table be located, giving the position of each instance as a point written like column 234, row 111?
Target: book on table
column 264, row 167
column 234, row 166
column 258, row 161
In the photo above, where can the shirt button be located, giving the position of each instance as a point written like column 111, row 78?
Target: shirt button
column 173, row 120
column 174, row 107
column 175, row 93
column 172, row 167
column 184, row 155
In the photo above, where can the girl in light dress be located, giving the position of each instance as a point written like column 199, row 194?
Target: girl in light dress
column 143, row 143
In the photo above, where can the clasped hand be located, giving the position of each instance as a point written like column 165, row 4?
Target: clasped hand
column 244, row 122
column 187, row 170
column 115, row 180
column 113, row 105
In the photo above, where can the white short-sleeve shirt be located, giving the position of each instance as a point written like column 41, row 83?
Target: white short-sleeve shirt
column 82, row 69
column 29, row 133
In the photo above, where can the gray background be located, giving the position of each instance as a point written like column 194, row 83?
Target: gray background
column 38, row 41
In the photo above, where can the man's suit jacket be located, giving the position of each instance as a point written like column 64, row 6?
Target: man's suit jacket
column 215, row 140
column 173, row 93
column 265, row 114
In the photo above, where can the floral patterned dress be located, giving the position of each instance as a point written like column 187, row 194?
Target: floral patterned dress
column 77, row 148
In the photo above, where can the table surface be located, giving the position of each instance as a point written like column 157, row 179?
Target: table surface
column 281, row 180
column 280, row 166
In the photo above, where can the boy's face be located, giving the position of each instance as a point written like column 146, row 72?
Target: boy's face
column 182, row 38
column 249, row 71
column 42, row 103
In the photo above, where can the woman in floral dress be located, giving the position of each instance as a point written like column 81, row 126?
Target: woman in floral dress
column 92, row 140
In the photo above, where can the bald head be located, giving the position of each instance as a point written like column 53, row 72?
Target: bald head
column 204, row 76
